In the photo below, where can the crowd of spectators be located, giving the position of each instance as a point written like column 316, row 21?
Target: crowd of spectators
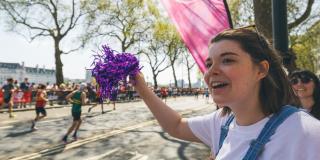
column 24, row 93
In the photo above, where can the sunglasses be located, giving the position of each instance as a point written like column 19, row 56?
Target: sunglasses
column 262, row 42
column 303, row 80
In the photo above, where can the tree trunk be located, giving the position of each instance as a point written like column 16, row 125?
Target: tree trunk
column 263, row 17
column 59, row 65
column 155, row 82
column 189, row 79
column 174, row 75
column 263, row 21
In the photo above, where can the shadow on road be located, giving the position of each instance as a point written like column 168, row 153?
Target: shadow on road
column 182, row 144
column 21, row 133
column 90, row 115
column 182, row 147
column 54, row 150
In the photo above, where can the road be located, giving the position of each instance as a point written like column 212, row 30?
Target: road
column 129, row 132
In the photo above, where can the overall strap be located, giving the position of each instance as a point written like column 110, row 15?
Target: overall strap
column 224, row 131
column 256, row 146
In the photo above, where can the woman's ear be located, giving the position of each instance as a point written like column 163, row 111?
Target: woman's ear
column 263, row 69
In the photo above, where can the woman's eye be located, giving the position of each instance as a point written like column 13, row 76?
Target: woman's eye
column 208, row 65
column 227, row 61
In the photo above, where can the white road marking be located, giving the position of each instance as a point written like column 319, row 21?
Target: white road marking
column 6, row 127
column 139, row 156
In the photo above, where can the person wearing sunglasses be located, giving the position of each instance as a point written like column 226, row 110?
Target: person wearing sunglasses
column 257, row 113
column 306, row 86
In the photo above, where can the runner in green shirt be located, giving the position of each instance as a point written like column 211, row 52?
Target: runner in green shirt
column 77, row 98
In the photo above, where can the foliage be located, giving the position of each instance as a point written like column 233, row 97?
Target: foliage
column 302, row 17
column 121, row 21
column 307, row 48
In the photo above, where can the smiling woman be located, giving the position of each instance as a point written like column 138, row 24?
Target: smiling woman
column 307, row 87
column 257, row 113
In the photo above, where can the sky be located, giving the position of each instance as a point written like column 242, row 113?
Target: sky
column 16, row 49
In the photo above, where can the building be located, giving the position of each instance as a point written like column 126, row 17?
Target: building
column 88, row 78
column 20, row 71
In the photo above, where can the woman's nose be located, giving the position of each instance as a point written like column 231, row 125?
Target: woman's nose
column 214, row 69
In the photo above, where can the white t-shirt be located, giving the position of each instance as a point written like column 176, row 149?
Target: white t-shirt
column 297, row 138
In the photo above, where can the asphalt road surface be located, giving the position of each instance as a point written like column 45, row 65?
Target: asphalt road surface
column 127, row 133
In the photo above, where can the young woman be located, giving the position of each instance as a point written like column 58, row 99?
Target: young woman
column 246, row 79
column 306, row 86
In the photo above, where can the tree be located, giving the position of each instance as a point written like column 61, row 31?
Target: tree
column 156, row 59
column 300, row 16
column 306, row 47
column 242, row 13
column 44, row 18
column 173, row 46
column 123, row 21
column 189, row 63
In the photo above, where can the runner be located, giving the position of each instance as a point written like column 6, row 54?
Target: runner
column 98, row 100
column 164, row 94
column 206, row 92
column 113, row 98
column 41, row 100
column 8, row 90
column 77, row 98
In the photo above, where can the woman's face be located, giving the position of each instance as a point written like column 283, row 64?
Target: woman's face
column 232, row 77
column 303, row 86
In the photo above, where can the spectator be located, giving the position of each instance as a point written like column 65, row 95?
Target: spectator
column 257, row 116
column 307, row 87
column 25, row 88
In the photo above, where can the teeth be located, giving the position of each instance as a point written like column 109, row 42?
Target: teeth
column 300, row 89
column 215, row 84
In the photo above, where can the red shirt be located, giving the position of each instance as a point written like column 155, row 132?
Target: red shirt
column 40, row 102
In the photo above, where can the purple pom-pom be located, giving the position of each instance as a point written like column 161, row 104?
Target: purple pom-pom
column 110, row 69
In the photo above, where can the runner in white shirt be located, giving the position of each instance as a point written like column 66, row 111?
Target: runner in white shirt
column 246, row 79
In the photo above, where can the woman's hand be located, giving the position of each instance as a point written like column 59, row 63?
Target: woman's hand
column 138, row 81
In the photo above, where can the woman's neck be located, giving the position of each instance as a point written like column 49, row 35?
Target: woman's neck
column 307, row 103
column 249, row 112
column 248, row 117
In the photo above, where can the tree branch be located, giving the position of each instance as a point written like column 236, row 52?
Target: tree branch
column 303, row 17
column 72, row 50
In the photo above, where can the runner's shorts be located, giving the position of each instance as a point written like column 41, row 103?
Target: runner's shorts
column 76, row 116
column 41, row 110
column 7, row 99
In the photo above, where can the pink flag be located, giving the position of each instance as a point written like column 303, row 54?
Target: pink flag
column 198, row 21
